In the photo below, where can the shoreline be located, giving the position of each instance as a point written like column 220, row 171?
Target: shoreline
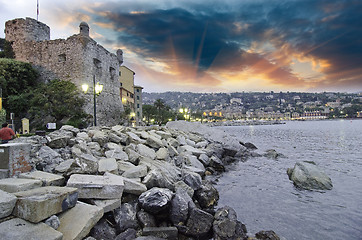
column 169, row 163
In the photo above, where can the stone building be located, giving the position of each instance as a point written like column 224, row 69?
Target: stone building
column 78, row 59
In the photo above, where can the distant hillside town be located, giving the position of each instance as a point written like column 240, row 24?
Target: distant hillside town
column 81, row 60
column 263, row 105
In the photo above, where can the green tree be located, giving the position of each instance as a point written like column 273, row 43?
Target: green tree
column 6, row 50
column 57, row 101
column 17, row 79
column 149, row 112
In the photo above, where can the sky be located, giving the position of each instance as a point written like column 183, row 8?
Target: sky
column 218, row 46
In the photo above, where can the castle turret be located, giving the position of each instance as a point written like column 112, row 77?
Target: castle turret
column 24, row 30
column 84, row 29
column 120, row 56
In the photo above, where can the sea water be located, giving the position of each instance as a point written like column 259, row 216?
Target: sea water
column 264, row 197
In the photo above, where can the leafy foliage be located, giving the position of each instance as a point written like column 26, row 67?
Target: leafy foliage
column 6, row 50
column 58, row 101
column 16, row 79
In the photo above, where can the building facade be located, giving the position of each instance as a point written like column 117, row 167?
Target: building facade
column 78, row 59
column 138, row 104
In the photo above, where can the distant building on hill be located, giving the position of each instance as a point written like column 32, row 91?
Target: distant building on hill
column 78, row 59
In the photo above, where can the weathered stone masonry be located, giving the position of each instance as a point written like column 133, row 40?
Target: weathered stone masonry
column 78, row 58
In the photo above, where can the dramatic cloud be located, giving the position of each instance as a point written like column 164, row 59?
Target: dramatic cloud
column 303, row 45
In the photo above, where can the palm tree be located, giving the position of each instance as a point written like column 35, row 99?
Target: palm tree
column 160, row 106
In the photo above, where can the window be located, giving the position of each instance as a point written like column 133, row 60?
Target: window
column 131, row 95
column 97, row 63
column 112, row 72
column 138, row 90
column 138, row 105
column 62, row 58
column 138, row 97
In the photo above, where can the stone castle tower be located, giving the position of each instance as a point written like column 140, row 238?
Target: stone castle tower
column 78, row 59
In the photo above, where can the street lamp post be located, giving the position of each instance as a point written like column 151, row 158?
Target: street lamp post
column 97, row 89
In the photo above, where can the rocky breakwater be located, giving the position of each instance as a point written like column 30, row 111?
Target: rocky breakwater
column 124, row 183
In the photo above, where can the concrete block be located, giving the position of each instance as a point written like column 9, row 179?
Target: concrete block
column 38, row 204
column 108, row 204
column 12, row 185
column 109, row 186
column 15, row 157
column 134, row 187
column 107, row 165
column 161, row 232
column 76, row 223
column 19, row 229
column 48, row 179
column 7, row 203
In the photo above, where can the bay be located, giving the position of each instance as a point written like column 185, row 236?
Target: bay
column 264, row 197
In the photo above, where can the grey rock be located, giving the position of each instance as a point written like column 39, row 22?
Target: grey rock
column 145, row 151
column 207, row 195
column 133, row 156
column 190, row 142
column 181, row 140
column 154, row 142
column 136, row 172
column 173, row 142
column 7, row 203
column 129, row 234
column 162, row 154
column 308, row 176
column 155, row 200
column 183, row 186
column 217, row 164
column 204, row 159
column 107, row 165
column 117, row 153
column 114, row 138
column 146, row 219
column 180, row 207
column 103, row 230
column 198, row 224
column 267, row 235
column 99, row 137
column 133, row 187
column 125, row 217
column 273, row 154
column 124, row 166
column 226, row 226
column 192, row 179
column 162, row 232
column 53, row 222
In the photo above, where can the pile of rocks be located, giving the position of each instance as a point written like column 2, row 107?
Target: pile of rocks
column 123, row 183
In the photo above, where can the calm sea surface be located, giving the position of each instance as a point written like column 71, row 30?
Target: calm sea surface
column 265, row 199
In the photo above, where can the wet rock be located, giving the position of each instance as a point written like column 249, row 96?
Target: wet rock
column 198, row 224
column 146, row 219
column 267, row 235
column 182, row 185
column 226, row 226
column 308, row 176
column 129, row 234
column 155, row 200
column 217, row 164
column 162, row 232
column 249, row 145
column 103, row 230
column 125, row 217
column 192, row 179
column 207, row 195
column 180, row 207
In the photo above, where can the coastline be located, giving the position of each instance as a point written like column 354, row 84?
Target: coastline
column 170, row 162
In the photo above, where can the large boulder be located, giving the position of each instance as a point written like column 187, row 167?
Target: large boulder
column 207, row 195
column 226, row 226
column 308, row 176
column 155, row 200
column 198, row 224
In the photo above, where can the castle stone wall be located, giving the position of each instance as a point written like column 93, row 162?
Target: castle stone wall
column 78, row 59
